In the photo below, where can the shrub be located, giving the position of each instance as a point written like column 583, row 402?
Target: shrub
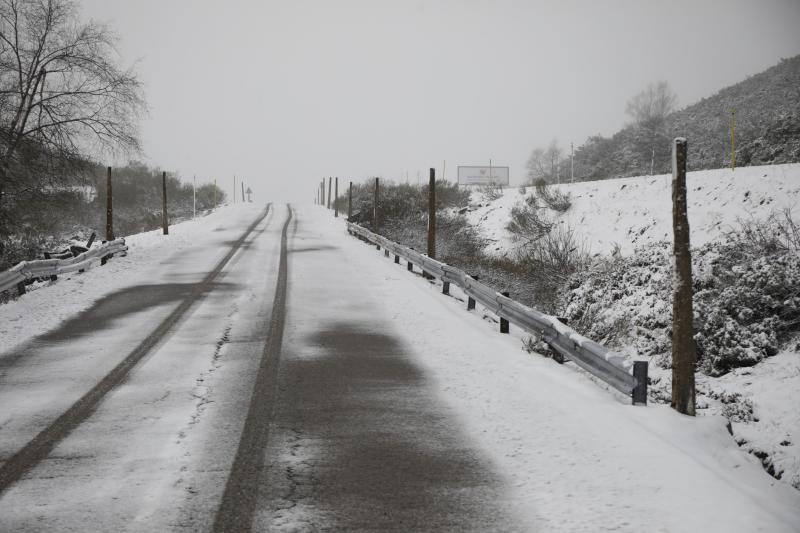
column 553, row 197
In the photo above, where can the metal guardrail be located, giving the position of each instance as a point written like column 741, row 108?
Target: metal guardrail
column 589, row 355
column 47, row 268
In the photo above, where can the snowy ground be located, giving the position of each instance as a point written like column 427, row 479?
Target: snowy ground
column 574, row 456
column 627, row 212
column 631, row 212
column 576, row 453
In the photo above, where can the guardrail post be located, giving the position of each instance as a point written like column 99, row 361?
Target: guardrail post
column 410, row 266
column 503, row 321
column 470, row 299
column 21, row 288
column 385, row 252
column 445, row 287
column 396, row 259
column 639, row 393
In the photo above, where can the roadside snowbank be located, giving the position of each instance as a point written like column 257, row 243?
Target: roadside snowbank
column 633, row 211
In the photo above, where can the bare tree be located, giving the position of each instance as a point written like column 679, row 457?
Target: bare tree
column 649, row 110
column 62, row 93
column 544, row 163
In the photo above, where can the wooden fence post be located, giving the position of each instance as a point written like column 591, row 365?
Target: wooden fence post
column 164, row 216
column 329, row 192
column 432, row 215
column 684, row 356
column 350, row 202
column 109, row 209
column 335, row 200
column 375, row 208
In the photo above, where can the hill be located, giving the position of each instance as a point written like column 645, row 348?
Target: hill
column 767, row 109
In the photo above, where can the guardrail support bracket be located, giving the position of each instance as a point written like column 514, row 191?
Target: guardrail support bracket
column 639, row 393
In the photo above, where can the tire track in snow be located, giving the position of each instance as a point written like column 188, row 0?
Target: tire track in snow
column 42, row 444
column 235, row 513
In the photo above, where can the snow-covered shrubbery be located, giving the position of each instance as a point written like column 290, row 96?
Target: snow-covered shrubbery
column 746, row 304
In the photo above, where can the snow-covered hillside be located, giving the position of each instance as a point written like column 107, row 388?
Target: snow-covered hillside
column 633, row 317
column 627, row 212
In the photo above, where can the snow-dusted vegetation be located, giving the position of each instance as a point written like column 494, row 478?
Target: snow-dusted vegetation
column 746, row 269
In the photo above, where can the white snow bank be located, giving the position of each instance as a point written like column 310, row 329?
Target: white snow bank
column 634, row 211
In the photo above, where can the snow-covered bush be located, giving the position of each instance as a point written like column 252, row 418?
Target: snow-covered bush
column 746, row 303
column 553, row 197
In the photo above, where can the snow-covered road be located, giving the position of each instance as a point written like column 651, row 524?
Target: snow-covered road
column 385, row 406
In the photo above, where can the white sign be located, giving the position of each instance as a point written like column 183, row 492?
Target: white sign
column 483, row 175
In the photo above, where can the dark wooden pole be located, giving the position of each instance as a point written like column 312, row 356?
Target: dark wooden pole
column 242, row 183
column 350, row 202
column 432, row 215
column 335, row 199
column 109, row 209
column 375, row 208
column 164, row 217
column 329, row 192
column 684, row 356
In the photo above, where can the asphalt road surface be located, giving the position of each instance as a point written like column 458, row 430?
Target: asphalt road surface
column 256, row 387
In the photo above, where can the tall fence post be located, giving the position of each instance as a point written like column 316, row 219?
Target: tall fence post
column 242, row 183
column 375, row 207
column 109, row 209
column 684, row 356
column 432, row 215
column 335, row 199
column 350, row 202
column 164, row 216
column 329, row 192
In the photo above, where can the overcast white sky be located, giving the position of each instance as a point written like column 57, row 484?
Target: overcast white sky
column 284, row 93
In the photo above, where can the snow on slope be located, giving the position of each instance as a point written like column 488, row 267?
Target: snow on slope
column 633, row 211
column 629, row 212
